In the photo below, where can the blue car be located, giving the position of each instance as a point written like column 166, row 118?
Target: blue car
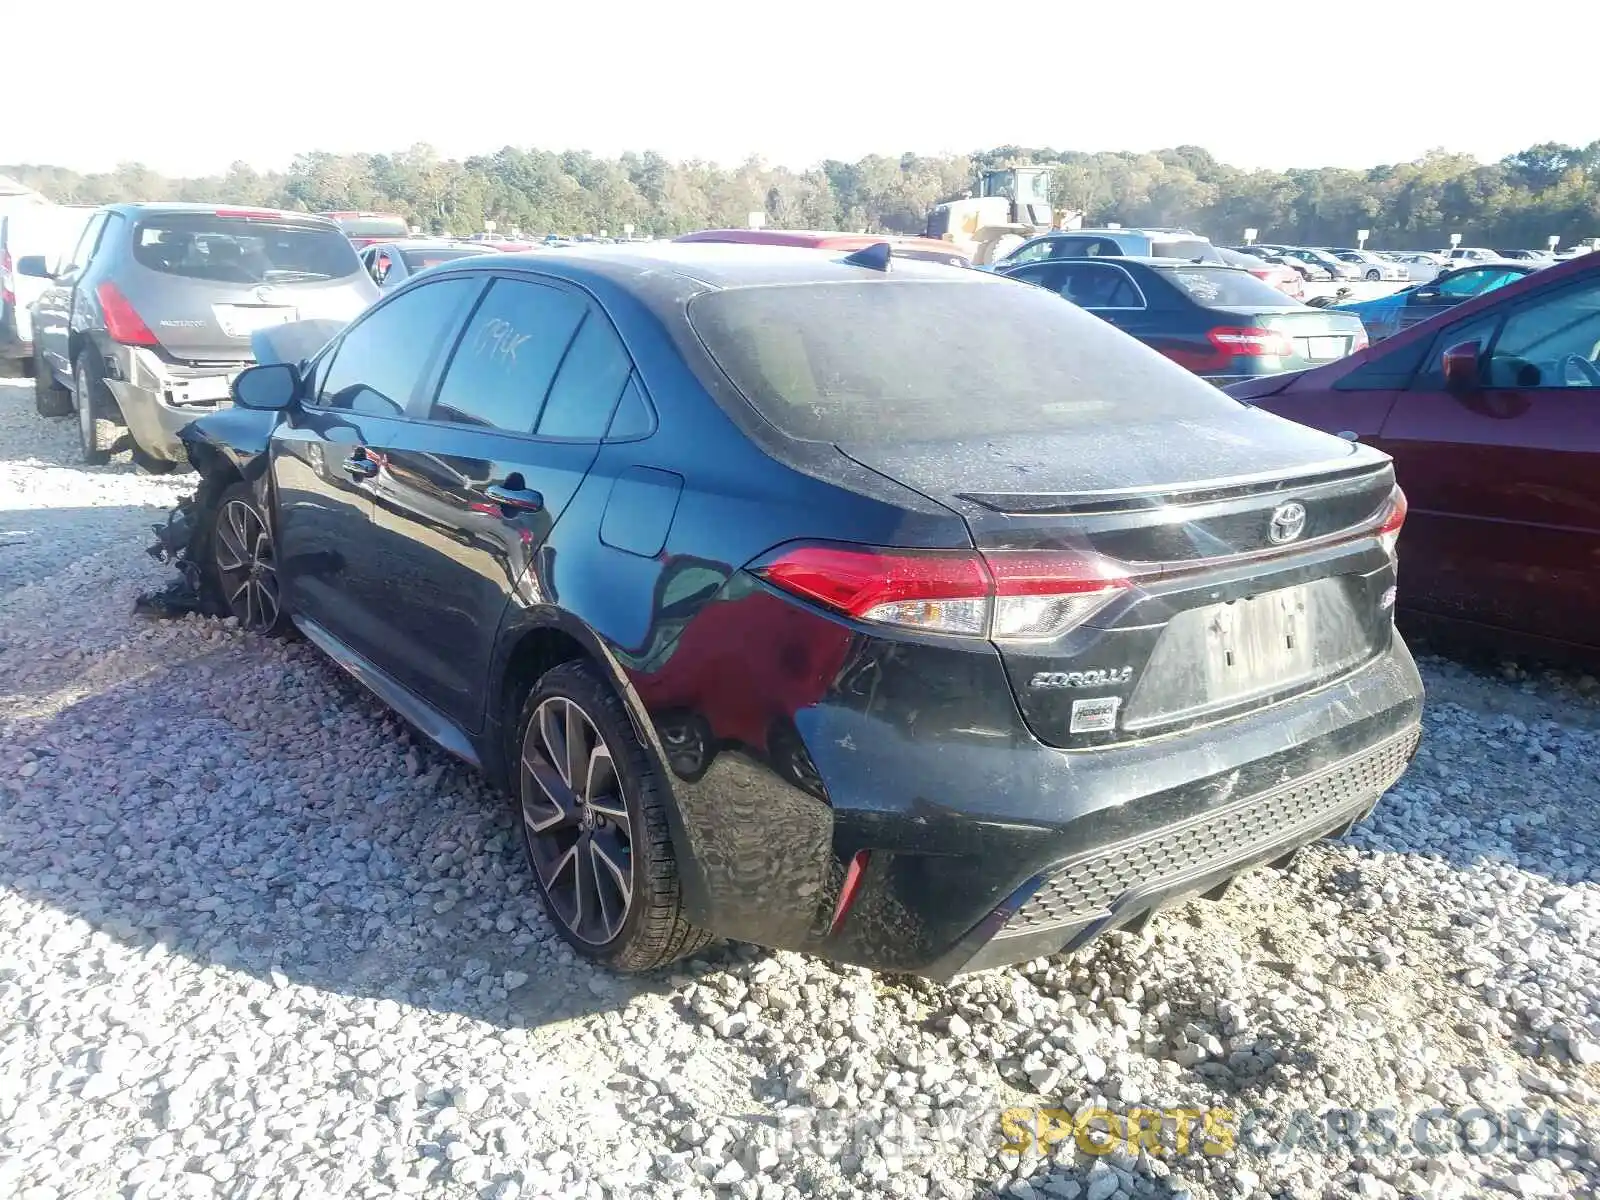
column 1389, row 315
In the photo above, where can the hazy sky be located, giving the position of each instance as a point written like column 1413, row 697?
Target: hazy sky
column 188, row 87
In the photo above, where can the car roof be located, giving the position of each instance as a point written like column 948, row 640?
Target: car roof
column 644, row 268
column 818, row 239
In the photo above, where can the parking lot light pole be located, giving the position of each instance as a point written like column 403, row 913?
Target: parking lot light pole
column 1361, row 238
column 1555, row 240
column 1250, row 236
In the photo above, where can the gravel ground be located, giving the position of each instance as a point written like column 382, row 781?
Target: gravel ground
column 257, row 941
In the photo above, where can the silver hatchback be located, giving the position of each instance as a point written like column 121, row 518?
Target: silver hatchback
column 148, row 320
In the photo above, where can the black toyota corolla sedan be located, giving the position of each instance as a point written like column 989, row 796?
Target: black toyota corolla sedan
column 865, row 607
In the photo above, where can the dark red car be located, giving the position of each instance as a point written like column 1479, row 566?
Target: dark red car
column 1491, row 412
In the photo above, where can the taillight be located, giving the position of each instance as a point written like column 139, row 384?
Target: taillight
column 853, row 875
column 1005, row 595
column 1359, row 342
column 1393, row 518
column 123, row 323
column 1251, row 342
column 6, row 294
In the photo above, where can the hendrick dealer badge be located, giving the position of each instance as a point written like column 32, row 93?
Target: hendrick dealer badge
column 1095, row 716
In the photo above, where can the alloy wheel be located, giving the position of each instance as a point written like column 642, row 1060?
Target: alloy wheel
column 576, row 821
column 246, row 565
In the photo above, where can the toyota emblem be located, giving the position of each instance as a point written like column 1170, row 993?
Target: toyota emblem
column 265, row 295
column 1288, row 522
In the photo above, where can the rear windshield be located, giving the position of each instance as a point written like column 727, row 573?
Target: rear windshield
column 926, row 360
column 374, row 227
column 1189, row 248
column 420, row 260
column 236, row 250
column 1227, row 286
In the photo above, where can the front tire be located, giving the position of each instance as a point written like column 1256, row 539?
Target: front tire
column 242, row 561
column 97, row 433
column 592, row 809
column 1374, row 275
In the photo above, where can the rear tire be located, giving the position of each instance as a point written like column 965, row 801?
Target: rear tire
column 50, row 399
column 574, row 825
column 1374, row 275
column 97, row 432
column 153, row 465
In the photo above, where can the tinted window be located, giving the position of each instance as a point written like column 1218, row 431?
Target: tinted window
column 86, row 243
column 421, row 260
column 1091, row 286
column 927, row 360
column 1472, row 283
column 386, row 356
column 1226, row 286
column 503, row 366
column 1186, row 248
column 588, row 384
column 632, row 418
column 236, row 250
column 1553, row 341
column 1083, row 247
column 1032, row 252
column 373, row 227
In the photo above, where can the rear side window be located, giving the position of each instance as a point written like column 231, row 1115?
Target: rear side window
column 390, row 353
column 587, row 386
column 508, row 355
column 1187, row 248
column 237, row 250
column 925, row 360
column 1226, row 286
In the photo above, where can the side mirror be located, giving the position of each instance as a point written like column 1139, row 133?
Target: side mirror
column 269, row 387
column 34, row 267
column 1460, row 363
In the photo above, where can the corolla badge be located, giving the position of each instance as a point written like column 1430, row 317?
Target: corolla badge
column 1288, row 522
column 1081, row 679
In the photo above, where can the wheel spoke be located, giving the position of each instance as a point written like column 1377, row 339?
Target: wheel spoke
column 577, row 750
column 552, row 731
column 613, row 878
column 234, row 549
column 599, row 774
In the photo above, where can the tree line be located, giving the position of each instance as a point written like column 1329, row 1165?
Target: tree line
column 1548, row 189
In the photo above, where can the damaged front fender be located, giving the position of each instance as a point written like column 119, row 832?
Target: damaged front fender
column 225, row 447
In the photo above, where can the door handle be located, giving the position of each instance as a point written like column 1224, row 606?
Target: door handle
column 360, row 465
column 514, row 498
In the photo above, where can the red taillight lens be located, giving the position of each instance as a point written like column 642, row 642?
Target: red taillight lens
column 123, row 324
column 935, row 590
column 1251, row 342
column 1360, row 342
column 6, row 294
column 1393, row 518
column 1007, row 595
column 852, row 885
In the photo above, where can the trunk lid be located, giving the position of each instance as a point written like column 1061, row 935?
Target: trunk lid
column 1318, row 335
column 1250, row 543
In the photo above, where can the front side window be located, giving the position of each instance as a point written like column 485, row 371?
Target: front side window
column 388, row 355
column 1552, row 342
column 86, row 243
column 503, row 366
column 1032, row 252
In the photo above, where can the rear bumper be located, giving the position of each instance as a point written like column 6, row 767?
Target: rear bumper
column 12, row 345
column 154, row 398
column 986, row 847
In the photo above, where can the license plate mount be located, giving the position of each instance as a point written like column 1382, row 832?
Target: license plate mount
column 1325, row 349
column 241, row 320
column 1258, row 644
